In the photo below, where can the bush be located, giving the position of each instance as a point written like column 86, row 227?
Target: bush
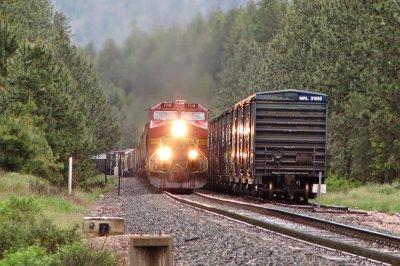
column 52, row 238
column 16, row 223
column 371, row 196
column 335, row 183
column 22, row 184
column 39, row 186
column 79, row 254
column 27, row 238
column 96, row 181
column 20, row 227
column 32, row 256
column 23, row 146
column 385, row 189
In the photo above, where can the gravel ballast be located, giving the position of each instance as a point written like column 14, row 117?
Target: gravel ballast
column 201, row 238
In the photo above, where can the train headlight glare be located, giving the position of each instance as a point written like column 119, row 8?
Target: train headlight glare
column 193, row 154
column 164, row 153
column 179, row 129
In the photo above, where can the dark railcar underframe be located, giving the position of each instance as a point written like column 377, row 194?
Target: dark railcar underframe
column 273, row 143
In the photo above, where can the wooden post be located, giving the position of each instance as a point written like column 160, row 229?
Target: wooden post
column 119, row 172
column 105, row 169
column 70, row 176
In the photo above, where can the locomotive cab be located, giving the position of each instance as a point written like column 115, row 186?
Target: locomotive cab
column 176, row 145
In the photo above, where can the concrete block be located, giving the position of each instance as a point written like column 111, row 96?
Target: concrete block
column 101, row 226
column 149, row 250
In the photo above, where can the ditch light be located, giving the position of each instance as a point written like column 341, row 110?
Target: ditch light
column 164, row 153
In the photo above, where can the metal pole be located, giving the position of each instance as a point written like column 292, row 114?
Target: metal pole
column 319, row 189
column 70, row 176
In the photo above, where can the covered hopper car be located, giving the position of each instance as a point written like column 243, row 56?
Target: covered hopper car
column 271, row 144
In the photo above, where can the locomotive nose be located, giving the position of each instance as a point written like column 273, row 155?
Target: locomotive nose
column 179, row 128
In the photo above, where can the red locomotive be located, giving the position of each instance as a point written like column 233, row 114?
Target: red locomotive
column 173, row 146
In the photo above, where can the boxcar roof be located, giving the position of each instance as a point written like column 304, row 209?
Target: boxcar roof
column 289, row 90
column 259, row 94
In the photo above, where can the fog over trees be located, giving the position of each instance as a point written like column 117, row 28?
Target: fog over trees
column 98, row 20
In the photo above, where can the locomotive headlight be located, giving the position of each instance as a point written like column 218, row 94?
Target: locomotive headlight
column 179, row 129
column 164, row 153
column 193, row 154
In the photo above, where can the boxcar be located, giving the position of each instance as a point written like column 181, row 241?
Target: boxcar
column 271, row 144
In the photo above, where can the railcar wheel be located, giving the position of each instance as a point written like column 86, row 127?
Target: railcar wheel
column 248, row 190
column 254, row 192
column 234, row 189
column 270, row 194
column 240, row 189
column 306, row 191
column 297, row 200
column 237, row 188
column 225, row 187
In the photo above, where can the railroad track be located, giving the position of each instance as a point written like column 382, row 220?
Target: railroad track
column 312, row 207
column 361, row 242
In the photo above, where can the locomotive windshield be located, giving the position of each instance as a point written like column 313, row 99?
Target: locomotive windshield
column 165, row 115
column 193, row 116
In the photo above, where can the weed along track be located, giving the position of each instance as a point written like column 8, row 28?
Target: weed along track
column 372, row 245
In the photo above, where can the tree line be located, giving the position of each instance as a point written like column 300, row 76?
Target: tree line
column 349, row 50
column 52, row 105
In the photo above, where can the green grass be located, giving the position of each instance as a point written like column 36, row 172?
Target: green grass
column 61, row 208
column 13, row 184
column 39, row 223
column 370, row 196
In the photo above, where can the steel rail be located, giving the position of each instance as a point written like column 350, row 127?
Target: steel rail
column 345, row 247
column 310, row 206
column 308, row 220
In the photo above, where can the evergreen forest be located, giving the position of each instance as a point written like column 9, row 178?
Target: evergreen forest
column 78, row 76
column 52, row 105
column 349, row 50
column 59, row 100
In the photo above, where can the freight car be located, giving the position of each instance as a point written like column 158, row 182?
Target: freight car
column 126, row 159
column 173, row 146
column 271, row 144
